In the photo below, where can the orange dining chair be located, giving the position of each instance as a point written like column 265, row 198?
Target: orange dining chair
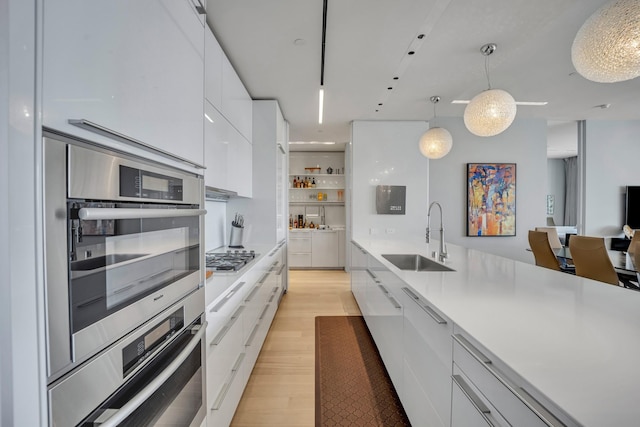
column 591, row 259
column 542, row 252
column 552, row 234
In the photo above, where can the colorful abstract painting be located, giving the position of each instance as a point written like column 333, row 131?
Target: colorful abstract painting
column 491, row 199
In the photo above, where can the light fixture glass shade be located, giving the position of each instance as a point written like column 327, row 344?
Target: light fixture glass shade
column 436, row 143
column 607, row 46
column 490, row 112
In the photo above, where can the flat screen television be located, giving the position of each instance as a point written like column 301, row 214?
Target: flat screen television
column 632, row 217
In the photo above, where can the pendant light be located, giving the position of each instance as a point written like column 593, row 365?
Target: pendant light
column 490, row 112
column 606, row 49
column 436, row 142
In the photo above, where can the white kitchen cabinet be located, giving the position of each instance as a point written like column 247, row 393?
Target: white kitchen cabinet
column 213, row 55
column 227, row 155
column 501, row 391
column 240, row 171
column 385, row 318
column 238, row 322
column 266, row 210
column 236, row 103
column 359, row 275
column 468, row 408
column 134, row 68
column 341, row 248
column 299, row 248
column 324, row 248
column 427, row 351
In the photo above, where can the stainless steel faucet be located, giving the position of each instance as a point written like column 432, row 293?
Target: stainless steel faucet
column 442, row 253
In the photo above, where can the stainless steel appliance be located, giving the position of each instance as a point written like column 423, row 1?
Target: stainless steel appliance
column 153, row 376
column 123, row 243
column 230, row 260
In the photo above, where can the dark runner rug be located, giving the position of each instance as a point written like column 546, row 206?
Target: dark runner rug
column 352, row 384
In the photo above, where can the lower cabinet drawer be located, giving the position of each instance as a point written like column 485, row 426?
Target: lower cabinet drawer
column 467, row 407
column 416, row 403
column 223, row 348
column 299, row 260
column 300, row 245
column 509, row 398
column 222, row 405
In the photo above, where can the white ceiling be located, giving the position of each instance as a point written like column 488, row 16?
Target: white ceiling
column 367, row 45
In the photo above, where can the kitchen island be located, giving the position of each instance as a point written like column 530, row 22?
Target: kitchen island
column 566, row 346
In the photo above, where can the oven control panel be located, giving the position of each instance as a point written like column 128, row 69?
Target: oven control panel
column 149, row 185
column 142, row 348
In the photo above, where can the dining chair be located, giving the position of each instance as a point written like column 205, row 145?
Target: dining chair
column 634, row 245
column 552, row 234
column 591, row 259
column 542, row 252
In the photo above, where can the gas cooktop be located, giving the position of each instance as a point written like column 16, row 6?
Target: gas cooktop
column 229, row 261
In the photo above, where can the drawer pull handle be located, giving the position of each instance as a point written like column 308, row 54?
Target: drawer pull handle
column 472, row 396
column 225, row 388
column 529, row 401
column 383, row 289
column 252, row 294
column 226, row 298
column 471, row 349
column 394, row 302
column 226, row 328
column 101, row 130
column 253, row 335
column 266, row 307
column 373, row 276
column 264, row 277
column 430, row 311
column 281, row 268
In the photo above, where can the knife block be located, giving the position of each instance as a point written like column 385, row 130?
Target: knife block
column 235, row 240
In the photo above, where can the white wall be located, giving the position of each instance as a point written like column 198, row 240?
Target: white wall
column 215, row 225
column 524, row 143
column 386, row 153
column 556, row 187
column 611, row 154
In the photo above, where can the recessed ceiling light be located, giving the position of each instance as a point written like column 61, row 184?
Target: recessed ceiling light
column 208, row 118
column 529, row 103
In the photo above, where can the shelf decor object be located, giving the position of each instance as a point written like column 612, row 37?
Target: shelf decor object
column 492, row 111
column 436, row 142
column 606, row 48
column 491, row 199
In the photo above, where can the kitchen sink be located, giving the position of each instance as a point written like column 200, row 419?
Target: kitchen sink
column 102, row 261
column 415, row 262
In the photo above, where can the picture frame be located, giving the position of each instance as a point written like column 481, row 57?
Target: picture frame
column 491, row 199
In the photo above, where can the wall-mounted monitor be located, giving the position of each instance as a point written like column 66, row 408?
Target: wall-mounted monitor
column 632, row 216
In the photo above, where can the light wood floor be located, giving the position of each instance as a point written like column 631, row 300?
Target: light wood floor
column 281, row 389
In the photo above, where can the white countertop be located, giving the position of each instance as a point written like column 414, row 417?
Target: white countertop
column 575, row 340
column 220, row 281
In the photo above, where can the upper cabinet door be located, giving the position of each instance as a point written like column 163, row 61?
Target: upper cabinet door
column 213, row 69
column 135, row 68
column 236, row 102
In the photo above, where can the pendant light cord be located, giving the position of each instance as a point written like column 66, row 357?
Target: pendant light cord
column 486, row 70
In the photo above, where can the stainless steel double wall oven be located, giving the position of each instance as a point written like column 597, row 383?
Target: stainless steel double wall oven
column 124, row 297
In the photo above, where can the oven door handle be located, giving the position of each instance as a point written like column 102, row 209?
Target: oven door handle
column 135, row 402
column 125, row 213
